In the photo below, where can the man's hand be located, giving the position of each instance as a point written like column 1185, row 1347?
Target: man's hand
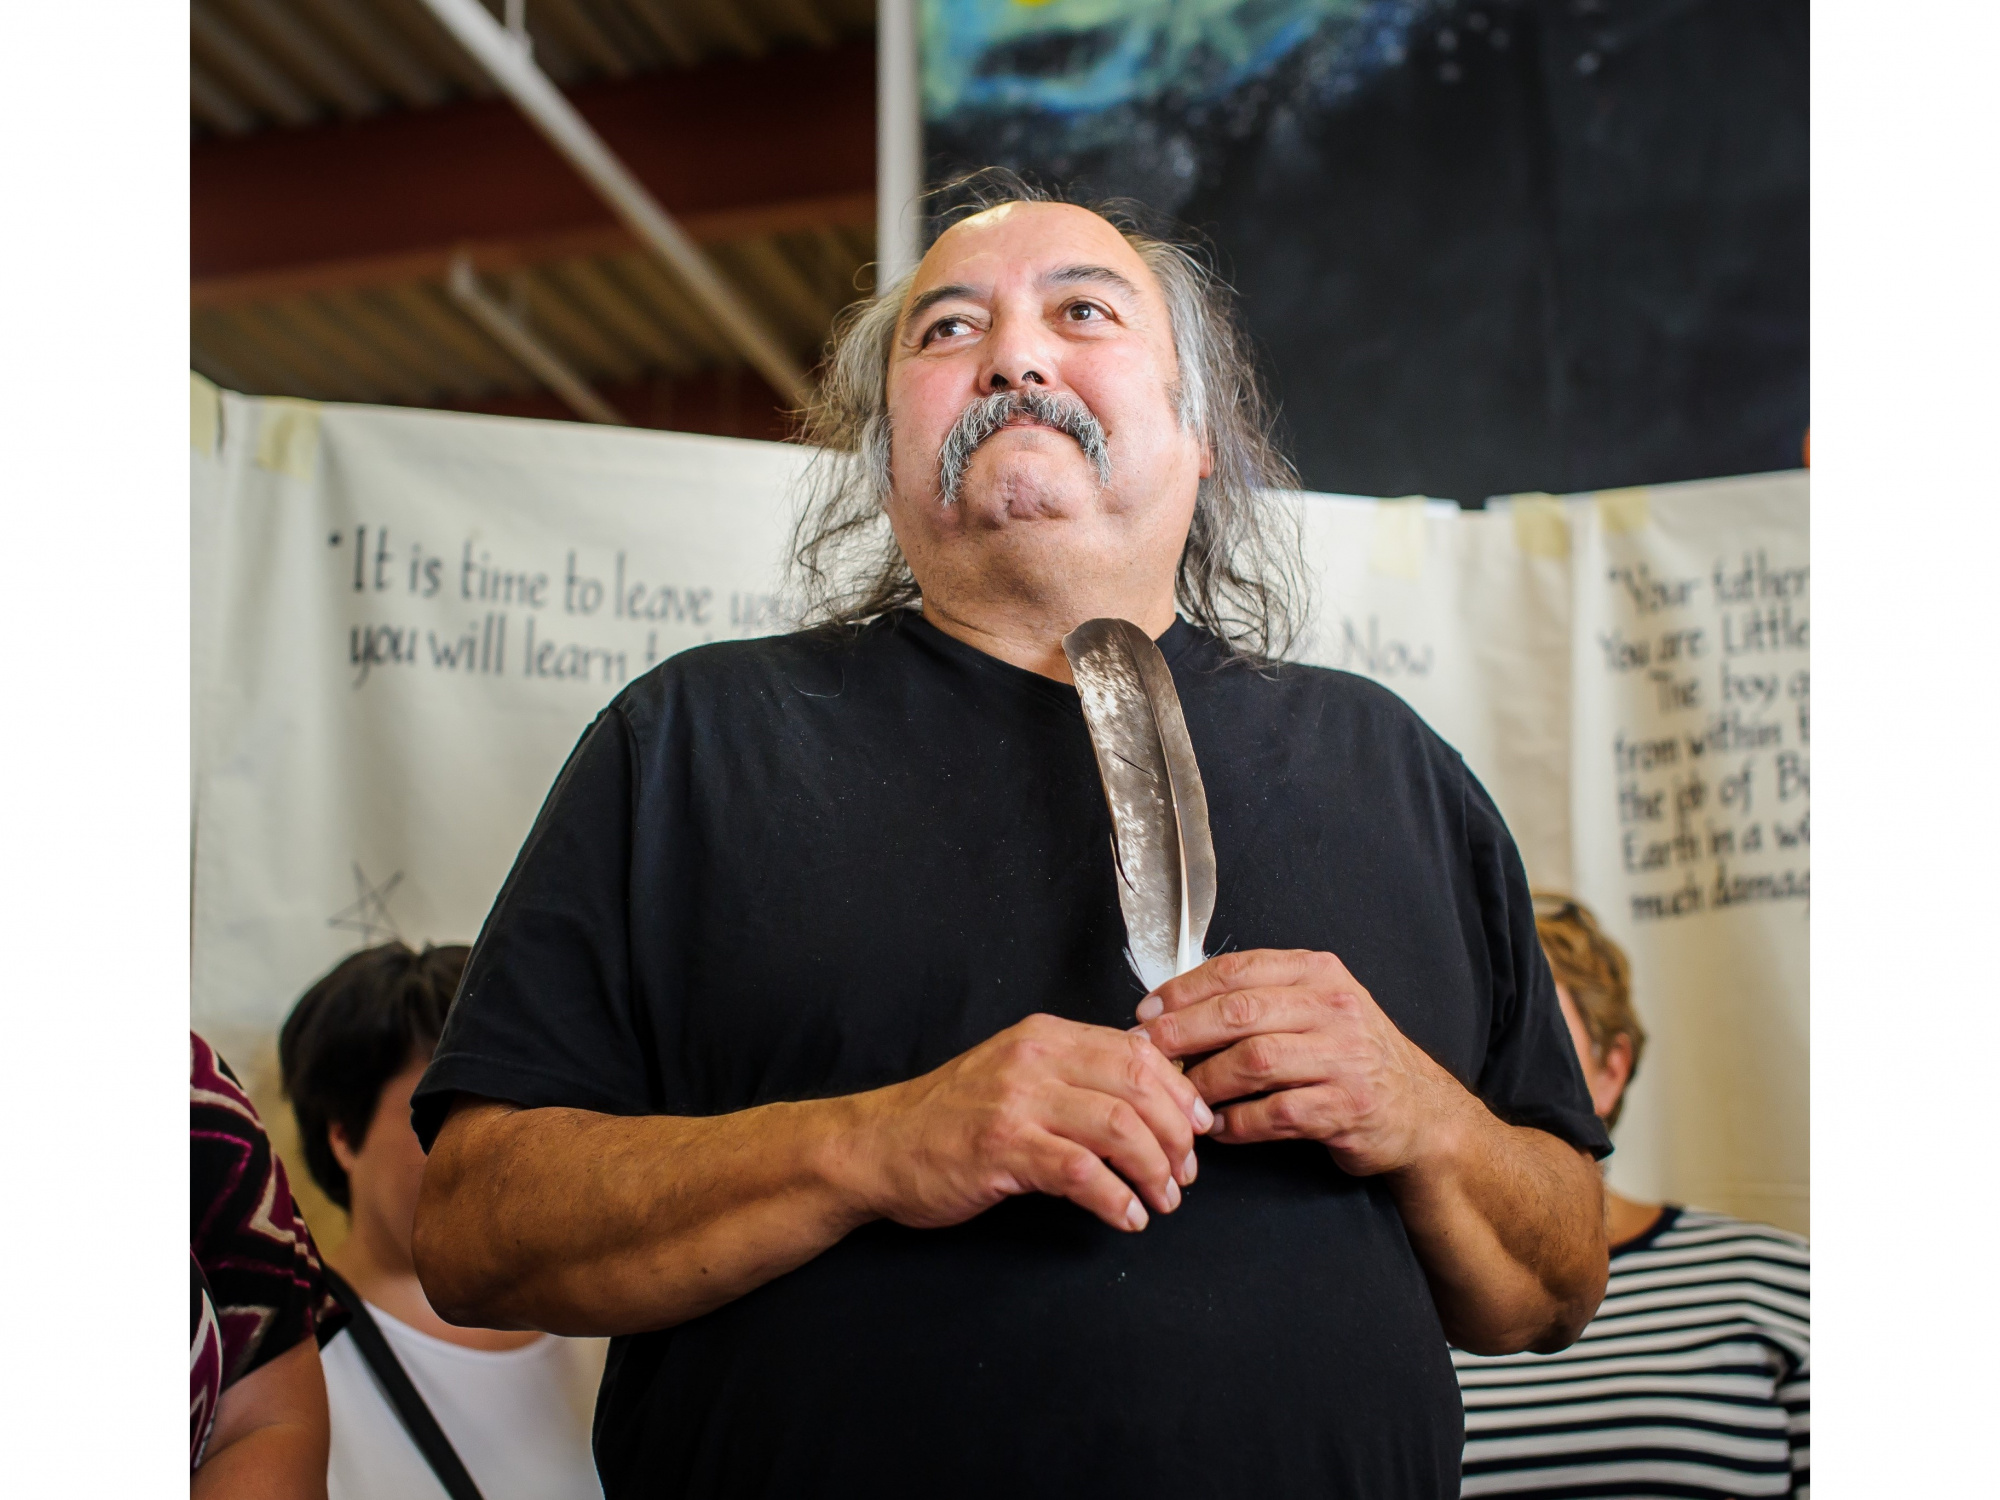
column 1508, row 1222
column 1040, row 1108
column 1298, row 1029
column 585, row 1223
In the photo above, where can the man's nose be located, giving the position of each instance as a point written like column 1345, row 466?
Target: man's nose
column 1017, row 354
column 1000, row 380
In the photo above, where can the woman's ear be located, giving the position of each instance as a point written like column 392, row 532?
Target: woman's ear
column 1614, row 1071
column 345, row 1154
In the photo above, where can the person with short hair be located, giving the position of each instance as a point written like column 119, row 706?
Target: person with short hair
column 515, row 1406
column 1692, row 1380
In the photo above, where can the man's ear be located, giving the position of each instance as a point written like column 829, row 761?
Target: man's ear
column 1614, row 1071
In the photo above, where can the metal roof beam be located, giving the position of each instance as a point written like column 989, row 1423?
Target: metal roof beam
column 899, row 143
column 507, row 60
column 507, row 331
column 730, row 149
column 849, row 211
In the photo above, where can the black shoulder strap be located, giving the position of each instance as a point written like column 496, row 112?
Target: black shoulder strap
column 417, row 1419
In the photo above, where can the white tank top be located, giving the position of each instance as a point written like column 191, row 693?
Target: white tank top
column 519, row 1418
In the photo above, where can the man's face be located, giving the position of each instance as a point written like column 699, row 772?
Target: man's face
column 1046, row 299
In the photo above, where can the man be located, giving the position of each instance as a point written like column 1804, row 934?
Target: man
column 799, row 1050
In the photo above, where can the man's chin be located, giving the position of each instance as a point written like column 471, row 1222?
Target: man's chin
column 1031, row 486
column 1026, row 498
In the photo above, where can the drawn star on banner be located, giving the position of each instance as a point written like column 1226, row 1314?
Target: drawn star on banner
column 369, row 914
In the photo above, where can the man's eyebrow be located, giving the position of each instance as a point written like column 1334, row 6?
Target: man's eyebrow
column 1062, row 276
column 924, row 302
column 1073, row 275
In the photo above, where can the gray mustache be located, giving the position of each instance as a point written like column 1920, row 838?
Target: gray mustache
column 989, row 414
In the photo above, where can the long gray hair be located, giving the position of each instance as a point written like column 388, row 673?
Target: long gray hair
column 1239, row 575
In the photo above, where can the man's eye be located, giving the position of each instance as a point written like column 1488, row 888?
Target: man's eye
column 1082, row 312
column 945, row 328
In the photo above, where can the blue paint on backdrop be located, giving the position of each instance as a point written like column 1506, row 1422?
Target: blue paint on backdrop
column 1082, row 57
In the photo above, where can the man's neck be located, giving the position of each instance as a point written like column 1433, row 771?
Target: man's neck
column 1032, row 638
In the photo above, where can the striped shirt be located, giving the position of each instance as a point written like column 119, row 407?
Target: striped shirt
column 1691, row 1382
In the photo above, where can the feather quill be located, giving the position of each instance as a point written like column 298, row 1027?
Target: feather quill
column 1160, row 844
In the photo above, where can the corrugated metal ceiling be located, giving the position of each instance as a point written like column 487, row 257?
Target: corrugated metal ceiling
column 263, row 63
column 614, row 317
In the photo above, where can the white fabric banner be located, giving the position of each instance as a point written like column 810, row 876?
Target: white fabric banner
column 405, row 619
column 1688, row 796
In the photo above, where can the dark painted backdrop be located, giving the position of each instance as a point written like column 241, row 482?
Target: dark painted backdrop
column 1484, row 247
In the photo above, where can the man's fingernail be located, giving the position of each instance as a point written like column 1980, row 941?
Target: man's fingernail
column 1150, row 1007
column 1135, row 1214
column 1173, row 1194
column 1137, row 1031
column 1188, row 1167
column 1203, row 1116
column 1221, row 1124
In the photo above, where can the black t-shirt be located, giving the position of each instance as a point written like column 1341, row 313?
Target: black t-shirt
column 801, row 867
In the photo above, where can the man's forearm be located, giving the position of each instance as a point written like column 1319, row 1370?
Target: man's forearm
column 583, row 1223
column 588, row 1224
column 1509, row 1225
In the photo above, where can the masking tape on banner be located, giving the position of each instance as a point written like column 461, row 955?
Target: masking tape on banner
column 207, row 415
column 1623, row 510
column 1396, row 546
column 287, row 436
column 1541, row 526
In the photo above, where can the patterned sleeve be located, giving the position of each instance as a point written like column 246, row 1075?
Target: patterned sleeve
column 1795, row 1395
column 244, row 1230
column 204, row 1367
